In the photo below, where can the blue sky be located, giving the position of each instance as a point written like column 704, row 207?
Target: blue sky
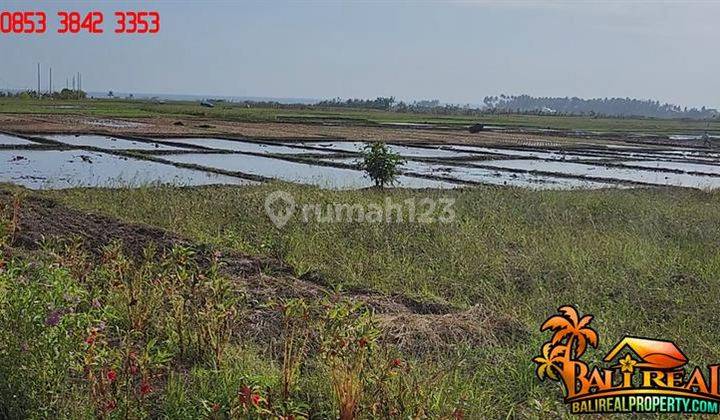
column 455, row 52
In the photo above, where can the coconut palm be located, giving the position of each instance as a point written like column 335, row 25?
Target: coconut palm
column 569, row 325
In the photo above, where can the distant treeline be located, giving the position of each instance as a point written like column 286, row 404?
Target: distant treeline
column 612, row 107
column 27, row 94
column 525, row 104
column 390, row 104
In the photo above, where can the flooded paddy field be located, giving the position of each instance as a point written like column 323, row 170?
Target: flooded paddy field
column 6, row 140
column 57, row 169
column 304, row 173
column 106, row 160
column 246, row 146
column 109, row 142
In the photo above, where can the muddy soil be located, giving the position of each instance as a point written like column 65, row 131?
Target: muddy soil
column 196, row 126
column 412, row 326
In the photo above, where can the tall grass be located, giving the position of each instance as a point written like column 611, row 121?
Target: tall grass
column 644, row 262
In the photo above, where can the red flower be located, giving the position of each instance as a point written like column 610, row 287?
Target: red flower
column 111, row 375
column 255, row 399
column 145, row 387
column 91, row 339
column 396, row 363
column 245, row 395
column 362, row 342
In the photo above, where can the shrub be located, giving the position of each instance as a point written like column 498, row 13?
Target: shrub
column 381, row 164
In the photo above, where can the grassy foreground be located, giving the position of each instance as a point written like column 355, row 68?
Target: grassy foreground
column 644, row 262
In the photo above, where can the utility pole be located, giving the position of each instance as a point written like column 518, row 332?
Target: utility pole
column 73, row 82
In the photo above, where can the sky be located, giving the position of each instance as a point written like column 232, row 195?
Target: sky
column 457, row 52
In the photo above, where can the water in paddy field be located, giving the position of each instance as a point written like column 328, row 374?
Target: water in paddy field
column 498, row 177
column 56, row 169
column 451, row 168
column 405, row 151
column 246, row 146
column 108, row 142
column 690, row 137
column 557, row 155
column 490, row 176
column 609, row 173
column 303, row 173
column 681, row 166
column 6, row 140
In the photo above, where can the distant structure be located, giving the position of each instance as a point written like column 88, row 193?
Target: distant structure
column 207, row 104
column 476, row 128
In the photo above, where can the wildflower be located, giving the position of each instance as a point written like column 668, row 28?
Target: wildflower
column 244, row 396
column 91, row 338
column 111, row 376
column 215, row 407
column 396, row 363
column 255, row 399
column 362, row 342
column 53, row 318
column 145, row 387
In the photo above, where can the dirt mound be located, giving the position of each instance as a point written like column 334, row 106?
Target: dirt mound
column 412, row 326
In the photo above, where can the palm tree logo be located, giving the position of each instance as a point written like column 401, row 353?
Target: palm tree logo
column 570, row 339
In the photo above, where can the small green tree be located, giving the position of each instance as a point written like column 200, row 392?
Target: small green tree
column 381, row 164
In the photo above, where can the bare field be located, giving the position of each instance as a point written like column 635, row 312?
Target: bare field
column 187, row 126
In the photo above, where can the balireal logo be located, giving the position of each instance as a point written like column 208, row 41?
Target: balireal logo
column 642, row 375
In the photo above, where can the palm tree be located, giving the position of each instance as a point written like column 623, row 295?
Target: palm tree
column 558, row 356
column 569, row 325
column 547, row 363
